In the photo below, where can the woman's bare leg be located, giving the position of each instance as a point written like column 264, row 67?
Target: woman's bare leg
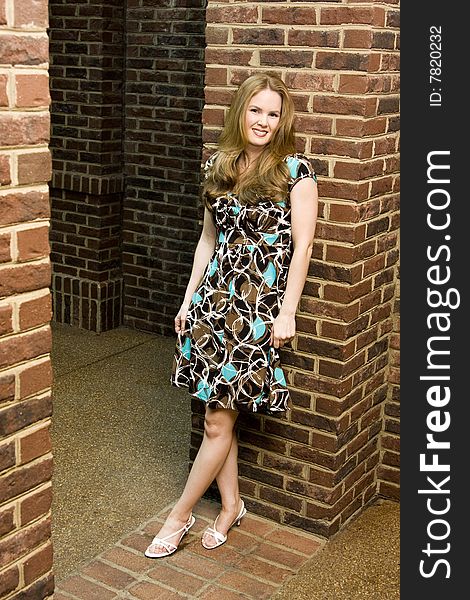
column 216, row 446
column 227, row 482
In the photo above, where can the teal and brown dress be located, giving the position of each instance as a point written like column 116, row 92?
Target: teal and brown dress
column 224, row 356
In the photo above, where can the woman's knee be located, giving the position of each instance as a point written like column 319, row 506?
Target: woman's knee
column 219, row 422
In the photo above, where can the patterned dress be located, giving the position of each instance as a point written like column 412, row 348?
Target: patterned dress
column 224, row 356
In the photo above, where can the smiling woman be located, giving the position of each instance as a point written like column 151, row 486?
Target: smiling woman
column 261, row 119
column 249, row 270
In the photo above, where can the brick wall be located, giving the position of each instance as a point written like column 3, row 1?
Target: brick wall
column 87, row 61
column 25, row 304
column 389, row 471
column 164, row 100
column 340, row 60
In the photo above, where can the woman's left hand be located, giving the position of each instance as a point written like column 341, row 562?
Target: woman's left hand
column 283, row 330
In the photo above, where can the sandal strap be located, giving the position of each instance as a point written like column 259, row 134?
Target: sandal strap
column 169, row 547
column 162, row 541
column 219, row 537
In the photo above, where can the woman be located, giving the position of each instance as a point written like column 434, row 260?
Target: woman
column 249, row 270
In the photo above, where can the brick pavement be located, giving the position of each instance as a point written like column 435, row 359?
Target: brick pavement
column 257, row 559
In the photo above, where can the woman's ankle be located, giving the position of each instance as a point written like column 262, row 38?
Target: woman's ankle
column 232, row 504
column 180, row 514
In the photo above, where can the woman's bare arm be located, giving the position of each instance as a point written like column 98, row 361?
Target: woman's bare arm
column 204, row 250
column 304, row 210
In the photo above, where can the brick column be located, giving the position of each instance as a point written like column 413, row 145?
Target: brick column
column 87, row 55
column 164, row 101
column 322, row 465
column 25, row 304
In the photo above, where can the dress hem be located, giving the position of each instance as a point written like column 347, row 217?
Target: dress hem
column 210, row 401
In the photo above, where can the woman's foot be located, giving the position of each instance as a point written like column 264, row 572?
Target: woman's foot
column 217, row 534
column 168, row 538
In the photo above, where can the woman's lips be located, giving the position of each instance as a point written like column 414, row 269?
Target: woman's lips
column 259, row 132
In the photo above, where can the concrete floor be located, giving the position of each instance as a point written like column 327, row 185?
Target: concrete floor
column 120, row 440
column 361, row 562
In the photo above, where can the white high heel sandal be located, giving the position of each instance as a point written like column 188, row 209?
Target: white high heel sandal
column 169, row 546
column 220, row 538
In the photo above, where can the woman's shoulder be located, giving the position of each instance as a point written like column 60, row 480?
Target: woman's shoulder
column 299, row 167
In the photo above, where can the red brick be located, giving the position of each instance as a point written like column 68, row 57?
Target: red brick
column 232, row 14
column 18, row 207
column 280, row 498
column 244, row 584
column 35, row 167
column 35, row 379
column 35, row 312
column 280, row 556
column 146, row 591
column 257, row 527
column 215, row 592
column 24, row 478
column 35, row 444
column 295, row 541
column 112, row 577
column 7, row 455
column 32, row 91
column 36, row 505
column 217, row 96
column 261, row 36
column 314, row 124
column 25, row 347
column 7, row 520
column 7, row 387
column 3, row 102
column 24, row 541
column 136, row 541
column 357, row 38
column 228, row 57
column 25, row 278
column 178, row 581
column 18, row 415
column 5, row 247
column 217, row 35
column 24, row 50
column 264, row 570
column 216, row 76
column 31, row 13
column 38, row 564
column 9, row 581
column 137, row 563
column 6, row 324
column 26, row 129
column 289, row 15
column 342, row 15
column 3, row 14
column 86, row 590
column 226, row 555
column 213, row 116
column 286, row 58
column 195, row 564
column 318, row 82
column 33, row 243
column 5, row 177
column 319, row 39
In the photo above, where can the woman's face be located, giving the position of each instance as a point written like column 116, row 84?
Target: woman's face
column 262, row 117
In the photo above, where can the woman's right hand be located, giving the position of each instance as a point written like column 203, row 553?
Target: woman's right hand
column 180, row 319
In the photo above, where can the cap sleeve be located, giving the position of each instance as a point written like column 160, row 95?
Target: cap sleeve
column 299, row 168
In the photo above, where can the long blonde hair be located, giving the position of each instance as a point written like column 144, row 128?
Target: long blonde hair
column 269, row 177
